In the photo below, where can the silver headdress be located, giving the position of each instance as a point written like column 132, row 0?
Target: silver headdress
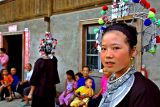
column 136, row 9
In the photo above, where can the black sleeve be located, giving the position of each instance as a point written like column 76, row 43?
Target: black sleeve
column 35, row 75
column 148, row 97
column 56, row 75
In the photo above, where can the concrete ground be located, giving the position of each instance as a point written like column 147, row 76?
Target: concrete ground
column 14, row 103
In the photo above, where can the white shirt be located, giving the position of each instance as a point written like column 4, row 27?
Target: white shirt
column 29, row 74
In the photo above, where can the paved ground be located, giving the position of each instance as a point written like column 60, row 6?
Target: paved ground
column 14, row 103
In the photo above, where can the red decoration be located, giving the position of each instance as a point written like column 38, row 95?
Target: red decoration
column 144, row 71
column 26, row 46
column 143, row 2
column 157, row 39
column 105, row 19
column 147, row 5
column 153, row 10
column 105, row 7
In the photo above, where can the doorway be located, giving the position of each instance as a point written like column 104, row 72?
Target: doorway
column 13, row 45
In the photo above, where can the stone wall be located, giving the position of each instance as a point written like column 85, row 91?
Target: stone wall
column 66, row 29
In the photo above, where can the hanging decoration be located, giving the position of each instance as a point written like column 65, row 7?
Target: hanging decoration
column 26, row 46
column 138, row 9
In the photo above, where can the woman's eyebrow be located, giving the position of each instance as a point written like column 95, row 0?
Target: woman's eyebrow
column 112, row 44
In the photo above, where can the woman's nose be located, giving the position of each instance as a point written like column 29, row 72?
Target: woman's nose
column 109, row 53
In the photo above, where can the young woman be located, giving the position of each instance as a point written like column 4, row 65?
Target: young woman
column 126, row 87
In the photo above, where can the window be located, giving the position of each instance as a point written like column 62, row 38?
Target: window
column 92, row 56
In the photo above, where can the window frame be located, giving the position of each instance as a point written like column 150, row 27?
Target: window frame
column 96, row 55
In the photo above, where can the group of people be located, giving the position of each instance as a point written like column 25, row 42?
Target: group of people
column 126, row 87
column 80, row 89
column 11, row 83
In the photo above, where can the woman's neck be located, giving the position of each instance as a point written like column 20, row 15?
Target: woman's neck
column 121, row 72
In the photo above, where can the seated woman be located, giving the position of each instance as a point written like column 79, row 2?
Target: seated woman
column 6, row 84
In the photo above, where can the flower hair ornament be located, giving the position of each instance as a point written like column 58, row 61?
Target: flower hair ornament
column 47, row 44
column 137, row 9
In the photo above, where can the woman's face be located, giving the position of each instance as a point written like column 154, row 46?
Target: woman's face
column 115, row 54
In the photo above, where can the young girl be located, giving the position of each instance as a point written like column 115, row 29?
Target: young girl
column 69, row 89
column 6, row 83
column 77, row 77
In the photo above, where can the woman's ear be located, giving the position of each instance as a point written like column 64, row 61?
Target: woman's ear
column 134, row 52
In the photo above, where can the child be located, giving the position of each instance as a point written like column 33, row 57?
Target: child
column 6, row 83
column 95, row 100
column 15, row 79
column 83, row 93
column 78, row 76
column 69, row 89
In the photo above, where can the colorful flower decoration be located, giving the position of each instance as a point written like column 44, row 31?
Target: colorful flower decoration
column 48, row 40
column 138, row 9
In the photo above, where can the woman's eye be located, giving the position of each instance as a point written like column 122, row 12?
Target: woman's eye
column 116, row 48
column 103, row 49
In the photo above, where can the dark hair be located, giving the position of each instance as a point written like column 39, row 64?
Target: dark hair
column 88, row 78
column 86, row 67
column 3, row 50
column 80, row 75
column 3, row 70
column 71, row 73
column 129, row 31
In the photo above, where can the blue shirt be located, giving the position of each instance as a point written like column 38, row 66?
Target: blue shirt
column 15, row 80
column 81, row 82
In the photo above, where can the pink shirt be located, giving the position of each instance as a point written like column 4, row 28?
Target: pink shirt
column 104, row 82
column 4, row 60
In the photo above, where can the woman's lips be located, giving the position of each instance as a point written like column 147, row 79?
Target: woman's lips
column 109, row 64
